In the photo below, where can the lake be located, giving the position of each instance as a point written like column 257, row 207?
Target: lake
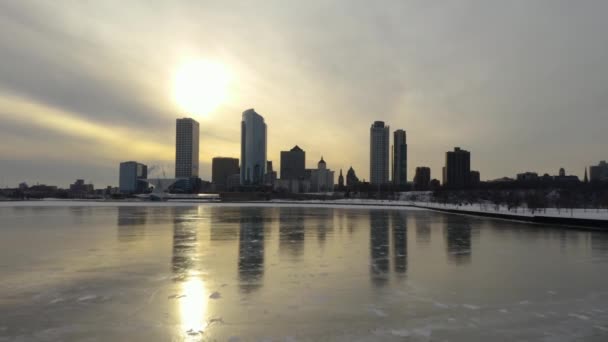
column 162, row 272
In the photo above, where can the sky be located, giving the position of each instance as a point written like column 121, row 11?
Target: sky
column 84, row 85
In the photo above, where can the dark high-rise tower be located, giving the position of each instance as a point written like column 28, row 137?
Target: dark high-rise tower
column 399, row 157
column 457, row 168
column 378, row 153
column 186, row 148
column 341, row 180
column 422, row 178
column 221, row 169
column 293, row 163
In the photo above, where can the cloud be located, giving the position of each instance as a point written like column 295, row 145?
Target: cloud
column 521, row 84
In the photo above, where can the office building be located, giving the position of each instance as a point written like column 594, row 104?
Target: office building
column 527, row 177
column 131, row 177
column 271, row 175
column 186, row 148
column 221, row 169
column 457, row 168
column 379, row 153
column 422, row 178
column 253, row 148
column 474, row 178
column 399, row 157
column 322, row 178
column 599, row 172
column 80, row 188
column 562, row 177
column 351, row 178
column 293, row 163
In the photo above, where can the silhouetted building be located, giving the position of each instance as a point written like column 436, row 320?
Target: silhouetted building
column 191, row 185
column 293, row 163
column 351, row 178
column 253, row 148
column 341, row 181
column 80, row 189
column 131, row 177
column 271, row 176
column 378, row 153
column 586, row 179
column 434, row 184
column 399, row 157
column 527, row 177
column 422, row 178
column 233, row 182
column 457, row 168
column 474, row 178
column 322, row 179
column 599, row 172
column 563, row 178
column 221, row 169
column 186, row 148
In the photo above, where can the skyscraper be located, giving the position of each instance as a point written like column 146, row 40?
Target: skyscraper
column 131, row 177
column 422, row 178
column 253, row 148
column 186, row 148
column 221, row 169
column 399, row 157
column 293, row 163
column 378, row 153
column 599, row 172
column 457, row 168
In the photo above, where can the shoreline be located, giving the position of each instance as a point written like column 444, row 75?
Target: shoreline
column 599, row 224
column 566, row 222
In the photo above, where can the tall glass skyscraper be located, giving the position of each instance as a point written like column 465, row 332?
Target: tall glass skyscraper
column 378, row 153
column 253, row 148
column 186, row 148
column 399, row 157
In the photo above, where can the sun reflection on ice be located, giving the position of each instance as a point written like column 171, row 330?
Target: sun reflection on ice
column 193, row 306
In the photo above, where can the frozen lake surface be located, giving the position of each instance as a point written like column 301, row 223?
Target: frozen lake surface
column 158, row 272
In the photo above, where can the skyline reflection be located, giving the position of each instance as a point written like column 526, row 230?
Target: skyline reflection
column 458, row 239
column 379, row 249
column 193, row 298
column 292, row 231
column 399, row 225
column 251, row 249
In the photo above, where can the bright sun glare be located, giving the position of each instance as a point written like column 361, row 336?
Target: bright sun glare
column 200, row 86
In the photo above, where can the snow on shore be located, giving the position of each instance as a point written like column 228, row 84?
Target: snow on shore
column 593, row 214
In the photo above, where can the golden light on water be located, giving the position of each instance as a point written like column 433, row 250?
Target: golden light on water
column 193, row 306
column 200, row 86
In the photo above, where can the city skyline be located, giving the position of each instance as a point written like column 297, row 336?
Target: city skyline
column 448, row 74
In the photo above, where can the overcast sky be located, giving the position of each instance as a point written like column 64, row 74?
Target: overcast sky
column 522, row 84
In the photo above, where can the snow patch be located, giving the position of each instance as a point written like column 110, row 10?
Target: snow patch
column 379, row 312
column 471, row 307
column 87, row 298
column 581, row 317
column 400, row 332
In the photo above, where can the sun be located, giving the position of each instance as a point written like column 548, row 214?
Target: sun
column 200, row 86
